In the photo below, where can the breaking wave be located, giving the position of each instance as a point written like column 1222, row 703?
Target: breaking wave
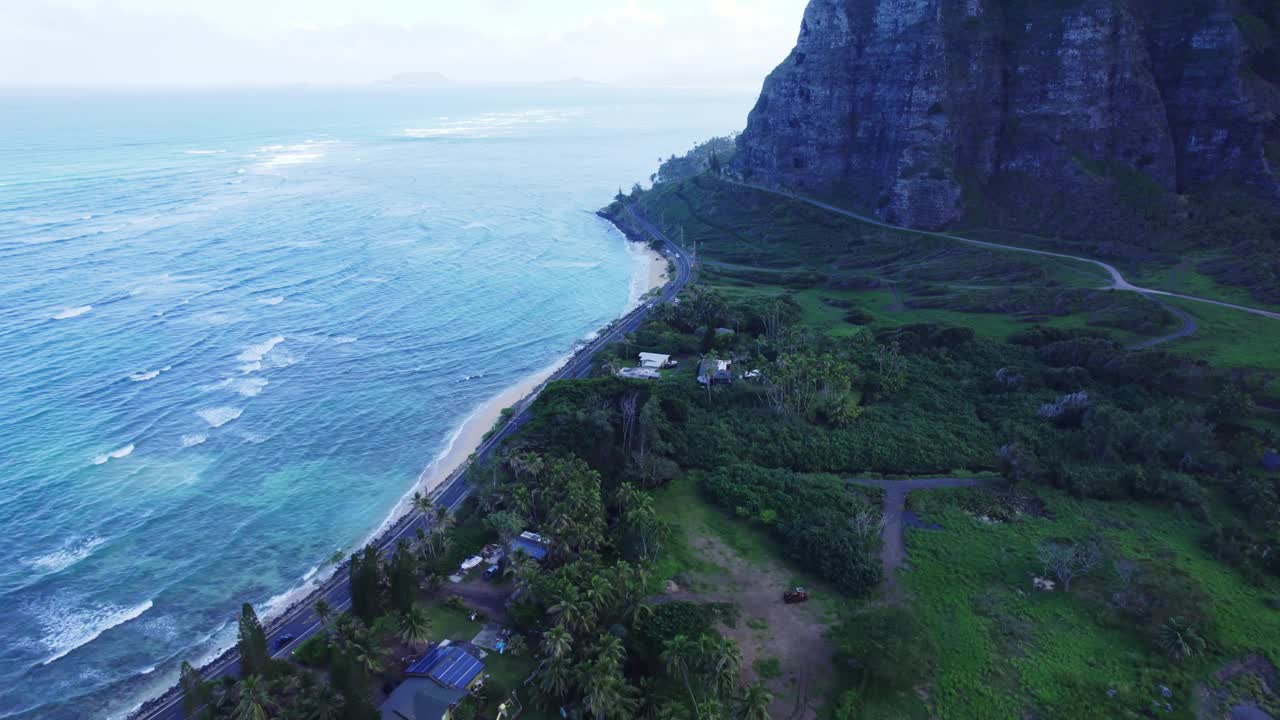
column 219, row 416
column 71, row 552
column 123, row 452
column 71, row 312
column 67, row 627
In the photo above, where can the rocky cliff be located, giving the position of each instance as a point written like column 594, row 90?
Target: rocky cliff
column 1018, row 111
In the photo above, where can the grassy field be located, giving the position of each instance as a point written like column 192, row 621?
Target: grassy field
column 1184, row 278
column 1230, row 338
column 1009, row 651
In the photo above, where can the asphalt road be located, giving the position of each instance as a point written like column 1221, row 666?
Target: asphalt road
column 301, row 621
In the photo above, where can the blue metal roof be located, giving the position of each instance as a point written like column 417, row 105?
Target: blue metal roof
column 451, row 666
column 534, row 550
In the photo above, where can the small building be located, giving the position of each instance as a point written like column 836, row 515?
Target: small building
column 1271, row 461
column 531, row 544
column 715, row 372
column 654, row 361
column 433, row 685
column 639, row 373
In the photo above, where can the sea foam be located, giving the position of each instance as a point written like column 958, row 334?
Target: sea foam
column 219, row 416
column 71, row 312
column 194, row 439
column 255, row 353
column 123, row 452
column 71, row 552
column 67, row 626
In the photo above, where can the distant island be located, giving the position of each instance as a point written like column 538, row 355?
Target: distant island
column 420, row 80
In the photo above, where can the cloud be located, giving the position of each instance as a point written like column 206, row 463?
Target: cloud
column 43, row 42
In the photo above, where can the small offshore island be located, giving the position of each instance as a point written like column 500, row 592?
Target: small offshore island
column 950, row 399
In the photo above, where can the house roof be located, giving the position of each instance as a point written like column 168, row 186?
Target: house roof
column 653, row 359
column 448, row 665
column 532, row 548
column 640, row 373
column 420, row 699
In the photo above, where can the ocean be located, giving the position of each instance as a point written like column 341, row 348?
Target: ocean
column 236, row 326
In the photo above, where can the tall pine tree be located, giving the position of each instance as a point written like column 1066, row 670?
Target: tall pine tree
column 403, row 577
column 366, row 585
column 255, row 658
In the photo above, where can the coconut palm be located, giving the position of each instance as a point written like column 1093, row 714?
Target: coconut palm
column 368, row 655
column 324, row 611
column 754, row 703
column 253, row 700
column 557, row 642
column 600, row 593
column 414, row 626
column 556, row 677
column 678, row 656
column 720, row 662
column 573, row 613
column 1180, row 639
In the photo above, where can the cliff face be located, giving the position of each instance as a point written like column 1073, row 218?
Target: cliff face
column 925, row 109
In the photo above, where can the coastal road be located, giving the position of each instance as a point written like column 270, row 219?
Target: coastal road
column 1118, row 281
column 301, row 622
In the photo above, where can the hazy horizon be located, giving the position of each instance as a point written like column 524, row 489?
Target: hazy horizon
column 140, row 44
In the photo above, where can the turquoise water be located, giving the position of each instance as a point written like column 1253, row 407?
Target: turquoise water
column 235, row 327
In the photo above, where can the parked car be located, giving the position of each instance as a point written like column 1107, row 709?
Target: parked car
column 795, row 595
column 491, row 572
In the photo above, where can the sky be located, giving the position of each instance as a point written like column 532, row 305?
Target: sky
column 201, row 43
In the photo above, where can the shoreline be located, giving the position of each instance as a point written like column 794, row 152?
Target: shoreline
column 464, row 441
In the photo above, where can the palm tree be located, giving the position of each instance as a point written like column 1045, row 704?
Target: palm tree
column 573, row 613
column 1180, row 639
column 611, row 650
column 558, row 642
column 599, row 593
column 605, row 692
column 422, row 504
column 414, row 626
column 324, row 611
column 721, row 660
column 369, row 656
column 754, row 703
column 324, row 704
column 253, row 700
column 677, row 657
column 556, row 677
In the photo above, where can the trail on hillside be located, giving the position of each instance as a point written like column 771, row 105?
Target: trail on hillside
column 1118, row 281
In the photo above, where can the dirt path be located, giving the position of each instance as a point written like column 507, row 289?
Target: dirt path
column 1188, row 328
column 768, row 629
column 893, row 551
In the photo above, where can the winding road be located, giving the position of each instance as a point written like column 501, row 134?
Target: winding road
column 300, row 621
column 1118, row 281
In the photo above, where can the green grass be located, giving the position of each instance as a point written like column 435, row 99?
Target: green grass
column 884, row 307
column 767, row 668
column 450, row 624
column 1229, row 338
column 1184, row 278
column 1006, row 650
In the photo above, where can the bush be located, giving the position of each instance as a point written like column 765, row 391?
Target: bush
column 822, row 524
column 314, row 652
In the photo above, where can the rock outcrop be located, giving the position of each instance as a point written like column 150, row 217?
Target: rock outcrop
column 927, row 110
